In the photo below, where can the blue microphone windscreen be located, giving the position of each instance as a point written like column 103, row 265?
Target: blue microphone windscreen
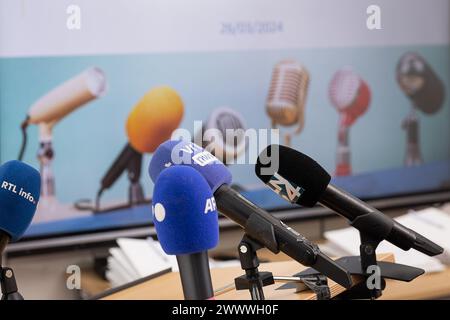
column 20, row 188
column 184, row 212
column 174, row 152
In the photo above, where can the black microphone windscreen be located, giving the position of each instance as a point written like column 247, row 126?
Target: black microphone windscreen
column 292, row 174
column 420, row 83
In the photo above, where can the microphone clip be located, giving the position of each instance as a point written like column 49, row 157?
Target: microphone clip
column 253, row 280
column 366, row 266
column 9, row 285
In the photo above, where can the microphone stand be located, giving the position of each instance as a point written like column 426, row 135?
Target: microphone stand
column 343, row 164
column 363, row 265
column 128, row 160
column 367, row 260
column 135, row 191
column 253, row 279
column 9, row 285
column 45, row 156
column 7, row 279
column 411, row 126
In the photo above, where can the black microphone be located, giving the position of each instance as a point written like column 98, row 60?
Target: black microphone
column 257, row 223
column 420, row 83
column 195, row 276
column 426, row 91
column 299, row 179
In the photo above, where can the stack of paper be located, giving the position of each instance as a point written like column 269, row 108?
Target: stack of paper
column 432, row 223
column 435, row 225
column 135, row 259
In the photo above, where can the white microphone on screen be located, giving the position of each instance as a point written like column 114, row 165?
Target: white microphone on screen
column 51, row 108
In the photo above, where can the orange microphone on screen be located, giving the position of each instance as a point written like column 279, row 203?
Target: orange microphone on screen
column 150, row 123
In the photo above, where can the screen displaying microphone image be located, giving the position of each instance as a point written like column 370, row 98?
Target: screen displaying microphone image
column 99, row 95
column 286, row 101
column 426, row 92
column 150, row 122
column 350, row 96
column 186, row 220
column 265, row 80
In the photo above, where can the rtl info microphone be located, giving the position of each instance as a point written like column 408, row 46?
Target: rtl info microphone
column 186, row 221
column 299, row 179
column 20, row 187
column 257, row 223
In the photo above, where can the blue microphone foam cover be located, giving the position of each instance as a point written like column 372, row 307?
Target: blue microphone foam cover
column 20, row 188
column 173, row 152
column 184, row 211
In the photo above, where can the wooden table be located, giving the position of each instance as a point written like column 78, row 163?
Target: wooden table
column 168, row 286
column 426, row 287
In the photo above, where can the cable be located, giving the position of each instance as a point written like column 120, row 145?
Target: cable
column 86, row 204
column 23, row 127
column 97, row 200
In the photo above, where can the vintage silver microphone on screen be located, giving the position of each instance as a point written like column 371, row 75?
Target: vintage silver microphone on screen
column 223, row 134
column 350, row 95
column 426, row 91
column 286, row 100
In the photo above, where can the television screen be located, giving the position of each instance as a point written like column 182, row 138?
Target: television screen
column 87, row 94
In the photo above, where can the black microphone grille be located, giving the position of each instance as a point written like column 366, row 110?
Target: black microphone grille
column 420, row 83
column 292, row 174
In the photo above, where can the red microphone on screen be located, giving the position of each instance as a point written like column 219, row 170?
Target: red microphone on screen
column 350, row 95
column 426, row 91
column 287, row 96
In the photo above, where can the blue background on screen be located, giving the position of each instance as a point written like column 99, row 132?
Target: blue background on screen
column 87, row 141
